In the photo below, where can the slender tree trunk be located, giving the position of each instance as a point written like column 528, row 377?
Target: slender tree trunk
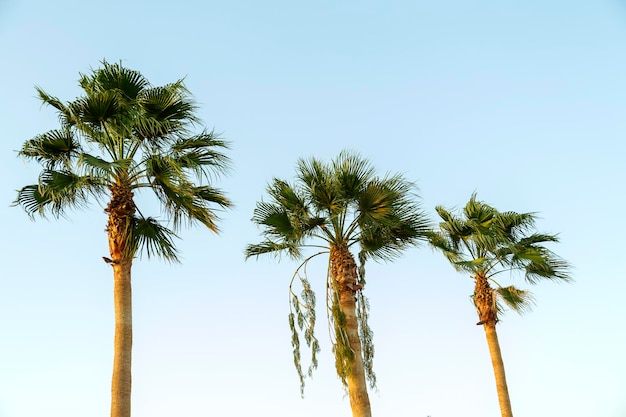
column 498, row 370
column 121, row 380
column 485, row 302
column 121, row 209
column 344, row 272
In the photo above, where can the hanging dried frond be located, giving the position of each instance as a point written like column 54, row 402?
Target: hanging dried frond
column 302, row 321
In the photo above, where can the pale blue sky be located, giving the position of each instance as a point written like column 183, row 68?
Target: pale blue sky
column 523, row 102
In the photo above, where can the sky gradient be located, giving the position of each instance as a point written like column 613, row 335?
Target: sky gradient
column 521, row 102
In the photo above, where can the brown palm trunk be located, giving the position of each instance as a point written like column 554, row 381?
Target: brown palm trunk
column 487, row 313
column 344, row 272
column 498, row 370
column 122, row 347
column 121, row 210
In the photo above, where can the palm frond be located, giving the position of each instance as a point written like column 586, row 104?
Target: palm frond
column 165, row 110
column 552, row 268
column 352, row 173
column 200, row 154
column 514, row 226
column 58, row 191
column 440, row 241
column 287, row 196
column 99, row 107
column 115, row 77
column 150, row 237
column 473, row 265
column 275, row 248
column 318, row 183
column 478, row 214
column 53, row 149
column 520, row 301
column 98, row 167
column 185, row 202
column 50, row 100
column 276, row 221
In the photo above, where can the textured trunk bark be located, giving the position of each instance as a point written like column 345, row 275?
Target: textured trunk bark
column 484, row 300
column 121, row 210
column 122, row 356
column 344, row 272
column 498, row 370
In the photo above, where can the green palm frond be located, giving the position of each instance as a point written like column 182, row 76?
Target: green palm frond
column 180, row 198
column 201, row 154
column 317, row 182
column 536, row 238
column 50, row 100
column 168, row 102
column 352, row 173
column 514, row 226
column 184, row 205
column 275, row 248
column 58, row 191
column 389, row 218
column 150, row 237
column 99, row 107
column 478, row 214
column 387, row 240
column 208, row 194
column 440, row 241
column 287, row 196
column 552, row 267
column 520, row 301
column 163, row 171
column 98, row 167
column 53, row 149
column 456, row 228
column 114, row 77
column 474, row 265
column 165, row 110
column 375, row 202
column 276, row 221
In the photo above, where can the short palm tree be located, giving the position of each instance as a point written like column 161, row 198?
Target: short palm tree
column 486, row 243
column 339, row 208
column 124, row 135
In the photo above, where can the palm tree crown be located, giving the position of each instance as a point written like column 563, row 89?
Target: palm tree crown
column 485, row 242
column 121, row 136
column 341, row 204
column 335, row 208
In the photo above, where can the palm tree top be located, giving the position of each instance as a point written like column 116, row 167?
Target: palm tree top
column 340, row 203
column 482, row 240
column 125, row 134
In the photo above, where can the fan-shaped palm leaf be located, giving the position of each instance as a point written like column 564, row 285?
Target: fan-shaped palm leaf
column 53, row 149
column 56, row 192
column 150, row 237
column 518, row 300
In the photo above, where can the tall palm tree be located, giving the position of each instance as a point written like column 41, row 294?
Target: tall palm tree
column 124, row 135
column 485, row 243
column 339, row 208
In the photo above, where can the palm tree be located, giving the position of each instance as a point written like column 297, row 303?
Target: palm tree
column 338, row 207
column 484, row 243
column 124, row 135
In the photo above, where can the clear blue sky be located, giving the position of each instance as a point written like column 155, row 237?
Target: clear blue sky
column 523, row 102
